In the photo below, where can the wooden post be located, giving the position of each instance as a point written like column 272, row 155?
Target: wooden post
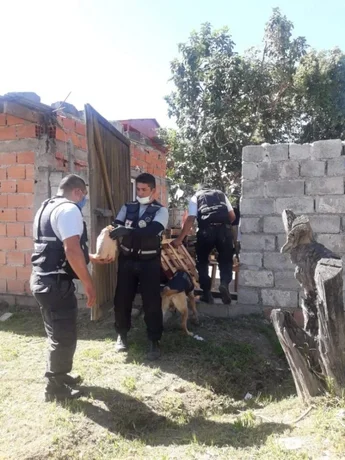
column 316, row 353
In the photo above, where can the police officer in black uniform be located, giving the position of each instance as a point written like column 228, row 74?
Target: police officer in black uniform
column 60, row 256
column 140, row 223
column 214, row 214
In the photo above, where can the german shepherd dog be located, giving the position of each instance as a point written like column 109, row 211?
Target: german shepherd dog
column 176, row 294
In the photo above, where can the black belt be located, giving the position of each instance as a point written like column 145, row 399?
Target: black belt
column 61, row 276
column 213, row 224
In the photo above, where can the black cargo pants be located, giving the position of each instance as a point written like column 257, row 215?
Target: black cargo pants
column 58, row 304
column 208, row 238
column 147, row 274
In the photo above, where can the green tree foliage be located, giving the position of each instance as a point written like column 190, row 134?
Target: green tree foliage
column 320, row 96
column 223, row 101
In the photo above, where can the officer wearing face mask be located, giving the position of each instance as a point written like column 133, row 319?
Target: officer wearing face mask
column 60, row 256
column 140, row 224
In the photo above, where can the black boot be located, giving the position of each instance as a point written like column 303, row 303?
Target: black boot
column 154, row 350
column 71, row 380
column 207, row 297
column 121, row 343
column 57, row 390
column 224, row 293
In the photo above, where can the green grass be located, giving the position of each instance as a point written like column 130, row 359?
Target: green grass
column 129, row 383
column 189, row 404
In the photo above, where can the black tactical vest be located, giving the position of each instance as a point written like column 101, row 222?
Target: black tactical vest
column 181, row 281
column 212, row 208
column 146, row 247
column 49, row 254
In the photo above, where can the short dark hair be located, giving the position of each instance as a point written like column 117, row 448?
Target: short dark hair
column 71, row 182
column 146, row 178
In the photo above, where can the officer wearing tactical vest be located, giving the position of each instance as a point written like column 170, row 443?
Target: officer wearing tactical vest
column 61, row 255
column 214, row 214
column 141, row 224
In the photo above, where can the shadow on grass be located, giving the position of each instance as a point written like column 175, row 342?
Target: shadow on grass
column 133, row 419
column 237, row 356
column 225, row 362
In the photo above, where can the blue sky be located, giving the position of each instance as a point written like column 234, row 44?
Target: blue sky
column 115, row 54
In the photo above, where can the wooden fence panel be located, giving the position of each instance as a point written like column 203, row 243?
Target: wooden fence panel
column 110, row 188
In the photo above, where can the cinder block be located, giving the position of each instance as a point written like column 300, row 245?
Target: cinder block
column 251, row 224
column 277, row 261
column 303, row 204
column 331, row 204
column 277, row 152
column 336, row 167
column 325, row 224
column 285, row 188
column 313, row 168
column 286, row 280
column 251, row 260
column 258, row 242
column 253, row 153
column 300, row 151
column 257, row 206
column 325, row 186
column 327, row 149
column 256, row 278
column 288, row 169
column 248, row 296
column 281, row 240
column 249, row 171
column 269, row 171
column 279, row 298
column 273, row 170
column 335, row 243
column 273, row 225
column 252, row 189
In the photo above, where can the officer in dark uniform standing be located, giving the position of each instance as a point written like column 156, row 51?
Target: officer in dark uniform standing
column 140, row 223
column 214, row 214
column 60, row 256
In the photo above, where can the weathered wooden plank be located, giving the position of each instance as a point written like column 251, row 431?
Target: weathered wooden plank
column 316, row 353
column 109, row 127
column 107, row 153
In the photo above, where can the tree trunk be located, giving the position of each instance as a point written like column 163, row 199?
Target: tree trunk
column 316, row 353
column 301, row 353
column 331, row 338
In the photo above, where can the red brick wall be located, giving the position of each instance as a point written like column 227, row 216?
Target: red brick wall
column 16, row 206
column 19, row 172
column 75, row 132
column 17, row 193
column 152, row 161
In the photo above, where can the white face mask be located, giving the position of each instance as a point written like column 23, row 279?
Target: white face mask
column 145, row 200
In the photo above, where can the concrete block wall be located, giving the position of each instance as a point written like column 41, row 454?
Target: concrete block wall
column 308, row 179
